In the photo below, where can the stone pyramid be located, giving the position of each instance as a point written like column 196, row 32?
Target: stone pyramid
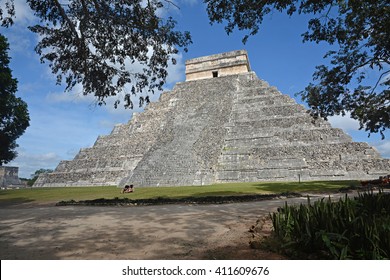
column 222, row 124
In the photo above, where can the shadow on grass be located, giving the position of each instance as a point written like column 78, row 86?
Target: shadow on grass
column 314, row 187
column 15, row 201
column 268, row 191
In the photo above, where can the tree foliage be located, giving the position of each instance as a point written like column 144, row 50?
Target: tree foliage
column 360, row 32
column 94, row 43
column 14, row 117
column 107, row 46
column 36, row 174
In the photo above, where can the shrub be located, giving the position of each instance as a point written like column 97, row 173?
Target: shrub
column 357, row 228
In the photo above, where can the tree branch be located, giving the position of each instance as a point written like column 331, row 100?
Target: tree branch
column 378, row 81
column 97, row 7
column 172, row 3
column 66, row 18
column 85, row 8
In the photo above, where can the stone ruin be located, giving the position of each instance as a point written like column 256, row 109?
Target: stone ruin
column 223, row 124
column 9, row 177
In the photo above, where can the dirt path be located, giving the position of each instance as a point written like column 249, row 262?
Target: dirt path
column 146, row 232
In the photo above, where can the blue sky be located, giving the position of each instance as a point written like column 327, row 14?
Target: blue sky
column 62, row 123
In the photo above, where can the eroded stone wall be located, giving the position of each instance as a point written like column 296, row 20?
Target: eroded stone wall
column 9, row 177
column 218, row 65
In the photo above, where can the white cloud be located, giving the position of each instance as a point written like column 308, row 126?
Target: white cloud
column 174, row 7
column 23, row 14
column 19, row 40
column 351, row 126
column 175, row 74
column 384, row 148
column 346, row 123
column 74, row 96
column 57, row 133
column 28, row 163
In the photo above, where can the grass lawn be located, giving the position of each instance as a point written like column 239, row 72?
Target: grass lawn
column 42, row 195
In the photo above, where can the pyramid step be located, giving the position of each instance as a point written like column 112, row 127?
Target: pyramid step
column 305, row 138
column 258, row 101
column 317, row 152
column 272, row 124
column 265, row 112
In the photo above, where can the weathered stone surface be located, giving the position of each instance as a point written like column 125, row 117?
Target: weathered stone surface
column 217, row 65
column 230, row 128
column 9, row 177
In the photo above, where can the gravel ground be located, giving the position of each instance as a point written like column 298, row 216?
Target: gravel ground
column 184, row 231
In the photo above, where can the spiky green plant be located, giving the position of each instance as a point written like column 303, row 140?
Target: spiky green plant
column 351, row 228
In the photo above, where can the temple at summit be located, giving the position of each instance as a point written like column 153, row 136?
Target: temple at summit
column 223, row 124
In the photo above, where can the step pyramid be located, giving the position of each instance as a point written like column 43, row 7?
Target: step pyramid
column 223, row 124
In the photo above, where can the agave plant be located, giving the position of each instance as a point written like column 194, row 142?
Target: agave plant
column 351, row 228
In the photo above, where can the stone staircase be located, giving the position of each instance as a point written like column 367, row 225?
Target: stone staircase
column 192, row 138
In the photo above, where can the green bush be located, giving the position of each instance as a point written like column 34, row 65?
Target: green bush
column 351, row 228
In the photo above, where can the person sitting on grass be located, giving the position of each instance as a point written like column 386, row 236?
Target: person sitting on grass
column 128, row 189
